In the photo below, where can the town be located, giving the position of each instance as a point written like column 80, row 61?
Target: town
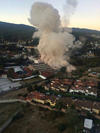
column 58, row 90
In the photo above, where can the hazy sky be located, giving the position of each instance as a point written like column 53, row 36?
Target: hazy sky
column 87, row 14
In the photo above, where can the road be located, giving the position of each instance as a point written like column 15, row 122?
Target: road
column 12, row 101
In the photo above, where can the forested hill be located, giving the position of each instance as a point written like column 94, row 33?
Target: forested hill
column 15, row 32
column 86, row 32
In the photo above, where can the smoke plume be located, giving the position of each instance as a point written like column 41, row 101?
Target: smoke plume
column 69, row 9
column 54, row 42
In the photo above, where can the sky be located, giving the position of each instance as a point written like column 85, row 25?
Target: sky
column 87, row 14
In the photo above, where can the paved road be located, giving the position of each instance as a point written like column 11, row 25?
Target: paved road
column 13, row 101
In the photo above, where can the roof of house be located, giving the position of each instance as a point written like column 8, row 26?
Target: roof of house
column 67, row 82
column 17, row 69
column 46, row 74
column 40, row 96
column 96, row 105
column 85, row 83
column 85, row 103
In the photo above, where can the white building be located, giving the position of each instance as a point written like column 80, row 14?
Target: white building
column 88, row 124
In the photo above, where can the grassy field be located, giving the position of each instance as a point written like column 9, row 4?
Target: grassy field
column 13, row 94
column 39, row 120
column 7, row 110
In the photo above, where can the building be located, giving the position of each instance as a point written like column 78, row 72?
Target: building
column 88, row 124
column 42, row 67
column 60, row 85
column 41, row 98
column 46, row 74
column 84, row 87
column 21, row 73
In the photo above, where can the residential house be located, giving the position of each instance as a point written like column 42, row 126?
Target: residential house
column 87, row 88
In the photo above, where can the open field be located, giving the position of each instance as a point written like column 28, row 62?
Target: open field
column 38, row 120
column 7, row 110
column 12, row 94
column 34, row 119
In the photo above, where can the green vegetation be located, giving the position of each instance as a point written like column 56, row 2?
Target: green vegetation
column 16, row 32
column 32, row 81
column 59, row 105
column 86, row 63
column 7, row 110
column 70, row 122
column 10, row 73
column 24, row 32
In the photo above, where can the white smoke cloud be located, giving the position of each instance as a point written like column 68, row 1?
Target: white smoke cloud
column 72, row 3
column 69, row 9
column 54, row 40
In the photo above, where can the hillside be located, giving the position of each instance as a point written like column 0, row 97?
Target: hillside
column 15, row 32
column 36, row 119
column 87, row 33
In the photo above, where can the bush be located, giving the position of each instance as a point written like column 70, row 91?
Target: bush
column 29, row 88
column 10, row 72
column 61, row 127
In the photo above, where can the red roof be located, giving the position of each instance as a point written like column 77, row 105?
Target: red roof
column 46, row 74
column 29, row 73
column 67, row 82
column 38, row 95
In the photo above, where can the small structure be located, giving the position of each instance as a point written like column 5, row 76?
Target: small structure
column 88, row 124
column 46, row 74
column 18, row 69
column 4, row 76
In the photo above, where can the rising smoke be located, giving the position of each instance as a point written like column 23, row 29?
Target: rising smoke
column 54, row 41
column 68, row 10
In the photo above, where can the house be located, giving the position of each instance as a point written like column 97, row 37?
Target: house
column 4, row 75
column 86, row 88
column 67, row 82
column 83, row 105
column 96, row 108
column 91, row 83
column 37, row 97
column 63, row 88
column 41, row 98
column 92, row 107
column 92, row 74
column 31, row 67
column 42, row 67
column 47, row 87
column 60, row 85
column 21, row 73
column 46, row 74
column 51, row 101
column 18, row 69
